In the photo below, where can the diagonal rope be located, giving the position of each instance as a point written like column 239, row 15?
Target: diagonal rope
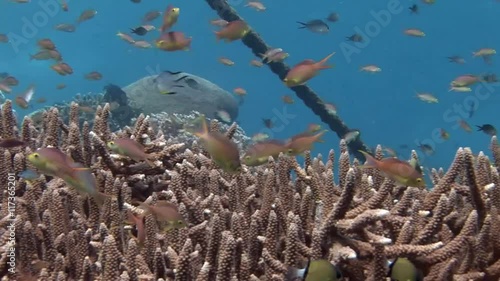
column 253, row 41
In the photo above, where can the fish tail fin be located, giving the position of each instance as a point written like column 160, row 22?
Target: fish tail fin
column 321, row 64
column 302, row 25
column 479, row 128
column 371, row 162
column 32, row 57
column 217, row 35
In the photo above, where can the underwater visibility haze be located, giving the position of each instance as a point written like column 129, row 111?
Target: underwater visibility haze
column 389, row 80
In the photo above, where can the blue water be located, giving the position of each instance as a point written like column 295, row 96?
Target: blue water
column 383, row 105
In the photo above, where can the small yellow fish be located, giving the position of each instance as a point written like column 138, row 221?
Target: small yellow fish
column 52, row 162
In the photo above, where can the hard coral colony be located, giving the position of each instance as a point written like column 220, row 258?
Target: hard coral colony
column 256, row 224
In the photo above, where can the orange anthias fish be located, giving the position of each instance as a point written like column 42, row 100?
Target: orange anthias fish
column 169, row 18
column 64, row 5
column 233, row 31
column 304, row 71
column 173, row 41
column 400, row 171
column 86, row 15
column 167, row 212
column 223, row 151
column 130, row 148
column 259, row 153
column 24, row 99
column 302, row 142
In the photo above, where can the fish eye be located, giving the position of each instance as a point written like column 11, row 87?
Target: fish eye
column 419, row 180
column 289, row 151
column 247, row 157
column 180, row 222
column 35, row 155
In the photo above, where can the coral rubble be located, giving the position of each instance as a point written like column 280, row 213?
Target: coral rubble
column 246, row 226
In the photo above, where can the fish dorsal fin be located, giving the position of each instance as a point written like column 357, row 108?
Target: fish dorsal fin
column 413, row 162
column 307, row 62
column 273, row 141
column 393, row 160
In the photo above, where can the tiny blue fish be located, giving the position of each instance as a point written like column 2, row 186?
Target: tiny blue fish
column 29, row 174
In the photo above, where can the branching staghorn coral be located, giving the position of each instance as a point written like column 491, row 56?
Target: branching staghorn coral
column 246, row 226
